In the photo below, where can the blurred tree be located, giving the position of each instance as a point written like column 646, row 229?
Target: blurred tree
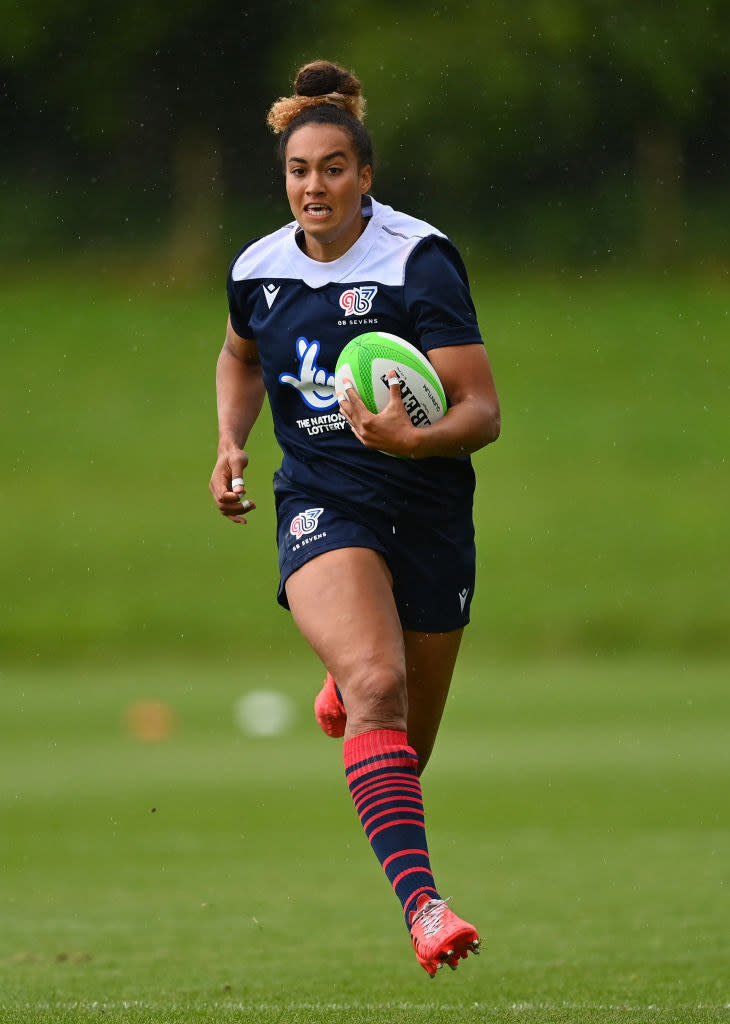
column 549, row 96
column 667, row 61
column 149, row 98
column 482, row 113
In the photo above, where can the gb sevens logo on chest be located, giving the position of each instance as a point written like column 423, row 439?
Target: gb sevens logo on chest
column 358, row 301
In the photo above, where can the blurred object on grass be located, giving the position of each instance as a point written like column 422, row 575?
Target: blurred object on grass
column 150, row 720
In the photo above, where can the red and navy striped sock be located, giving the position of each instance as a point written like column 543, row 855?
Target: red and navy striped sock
column 382, row 773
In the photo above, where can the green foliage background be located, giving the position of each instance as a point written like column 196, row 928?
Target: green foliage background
column 582, row 132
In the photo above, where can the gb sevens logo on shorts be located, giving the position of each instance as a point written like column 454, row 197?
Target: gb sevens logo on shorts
column 305, row 522
column 358, row 300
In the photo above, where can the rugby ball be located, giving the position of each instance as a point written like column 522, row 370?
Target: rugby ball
column 366, row 361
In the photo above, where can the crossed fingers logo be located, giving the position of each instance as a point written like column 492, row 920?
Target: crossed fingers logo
column 315, row 384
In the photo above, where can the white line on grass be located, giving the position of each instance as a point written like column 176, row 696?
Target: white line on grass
column 517, row 1007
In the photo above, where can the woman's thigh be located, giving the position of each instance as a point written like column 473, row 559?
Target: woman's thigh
column 342, row 603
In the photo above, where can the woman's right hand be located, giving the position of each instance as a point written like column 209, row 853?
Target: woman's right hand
column 240, row 394
column 227, row 486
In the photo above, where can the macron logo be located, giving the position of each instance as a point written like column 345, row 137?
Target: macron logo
column 463, row 594
column 270, row 292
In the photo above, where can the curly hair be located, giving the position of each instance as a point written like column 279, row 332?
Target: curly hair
column 325, row 93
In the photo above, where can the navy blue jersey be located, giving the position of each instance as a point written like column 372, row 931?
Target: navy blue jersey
column 401, row 276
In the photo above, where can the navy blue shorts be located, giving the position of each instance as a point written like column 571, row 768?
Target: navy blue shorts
column 431, row 558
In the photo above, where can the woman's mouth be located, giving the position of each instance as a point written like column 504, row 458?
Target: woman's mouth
column 317, row 209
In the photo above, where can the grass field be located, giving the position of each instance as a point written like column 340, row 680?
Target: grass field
column 602, row 509
column 577, row 798
column 578, row 811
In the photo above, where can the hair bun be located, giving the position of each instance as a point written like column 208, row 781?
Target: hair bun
column 318, row 83
column 322, row 76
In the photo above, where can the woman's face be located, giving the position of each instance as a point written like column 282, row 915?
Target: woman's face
column 324, row 185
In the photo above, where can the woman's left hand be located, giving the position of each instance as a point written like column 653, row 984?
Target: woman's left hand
column 390, row 430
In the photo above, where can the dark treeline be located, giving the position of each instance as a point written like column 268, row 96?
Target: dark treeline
column 577, row 130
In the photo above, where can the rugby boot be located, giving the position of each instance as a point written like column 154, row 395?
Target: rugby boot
column 439, row 936
column 329, row 709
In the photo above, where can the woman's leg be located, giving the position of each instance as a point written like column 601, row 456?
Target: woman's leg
column 343, row 604
column 430, row 660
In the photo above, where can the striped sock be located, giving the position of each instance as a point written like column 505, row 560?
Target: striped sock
column 382, row 773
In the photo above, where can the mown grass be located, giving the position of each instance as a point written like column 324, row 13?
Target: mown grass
column 577, row 811
column 601, row 510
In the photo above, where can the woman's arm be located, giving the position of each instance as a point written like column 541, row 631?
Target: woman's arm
column 240, row 392
column 471, row 422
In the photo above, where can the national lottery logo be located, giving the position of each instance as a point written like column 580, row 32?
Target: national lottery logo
column 315, row 384
column 305, row 522
column 358, row 301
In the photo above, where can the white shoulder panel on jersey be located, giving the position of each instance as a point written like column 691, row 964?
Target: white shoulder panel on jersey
column 397, row 223
column 380, row 253
column 393, row 238
column 260, row 258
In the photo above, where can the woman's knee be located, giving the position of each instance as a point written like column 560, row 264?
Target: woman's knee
column 375, row 696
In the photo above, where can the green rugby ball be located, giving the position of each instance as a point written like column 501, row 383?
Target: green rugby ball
column 366, row 361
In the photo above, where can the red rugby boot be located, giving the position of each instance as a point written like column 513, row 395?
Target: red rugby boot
column 439, row 936
column 329, row 709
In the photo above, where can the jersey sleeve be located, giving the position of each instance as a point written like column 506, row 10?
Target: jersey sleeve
column 437, row 296
column 238, row 292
